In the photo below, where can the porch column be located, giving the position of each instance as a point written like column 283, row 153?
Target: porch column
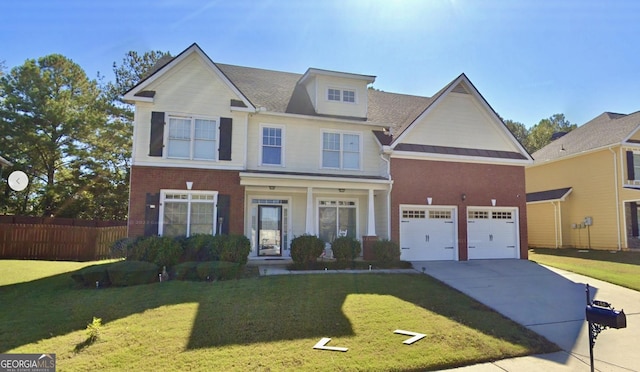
column 309, row 223
column 371, row 216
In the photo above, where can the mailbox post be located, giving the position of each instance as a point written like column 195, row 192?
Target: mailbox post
column 600, row 316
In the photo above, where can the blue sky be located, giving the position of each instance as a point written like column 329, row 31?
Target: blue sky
column 529, row 59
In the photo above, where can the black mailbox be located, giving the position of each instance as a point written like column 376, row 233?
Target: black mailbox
column 606, row 317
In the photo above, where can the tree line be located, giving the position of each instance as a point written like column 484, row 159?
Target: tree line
column 72, row 135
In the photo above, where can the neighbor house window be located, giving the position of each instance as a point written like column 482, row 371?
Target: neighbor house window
column 341, row 150
column 337, row 218
column 636, row 166
column 191, row 138
column 272, row 146
column 186, row 213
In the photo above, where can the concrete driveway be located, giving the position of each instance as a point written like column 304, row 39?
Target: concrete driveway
column 550, row 302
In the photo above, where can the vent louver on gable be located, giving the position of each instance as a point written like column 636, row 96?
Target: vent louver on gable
column 461, row 88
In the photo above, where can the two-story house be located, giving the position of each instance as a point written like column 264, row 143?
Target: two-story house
column 227, row 149
column 583, row 189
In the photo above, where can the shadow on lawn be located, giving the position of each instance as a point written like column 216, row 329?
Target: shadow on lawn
column 244, row 311
column 626, row 257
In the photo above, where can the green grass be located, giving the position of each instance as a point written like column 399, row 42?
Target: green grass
column 621, row 268
column 264, row 324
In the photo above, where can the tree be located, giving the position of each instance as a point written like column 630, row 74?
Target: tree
column 540, row 134
column 519, row 131
column 48, row 110
column 72, row 135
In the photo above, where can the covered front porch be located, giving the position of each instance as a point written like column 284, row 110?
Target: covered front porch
column 281, row 206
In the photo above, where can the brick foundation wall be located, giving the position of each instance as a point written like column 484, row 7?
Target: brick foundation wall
column 149, row 180
column 445, row 182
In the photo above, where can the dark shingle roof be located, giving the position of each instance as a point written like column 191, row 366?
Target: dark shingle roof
column 280, row 92
column 548, row 195
column 605, row 129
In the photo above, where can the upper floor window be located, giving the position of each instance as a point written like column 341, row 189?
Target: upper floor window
column 344, row 95
column 341, row 150
column 333, row 94
column 272, row 146
column 191, row 138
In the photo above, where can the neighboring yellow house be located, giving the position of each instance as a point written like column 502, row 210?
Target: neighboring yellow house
column 583, row 189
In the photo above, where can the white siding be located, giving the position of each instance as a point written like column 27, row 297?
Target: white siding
column 459, row 121
column 303, row 145
column 319, row 86
column 191, row 88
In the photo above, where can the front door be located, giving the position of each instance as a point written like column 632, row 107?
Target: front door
column 269, row 230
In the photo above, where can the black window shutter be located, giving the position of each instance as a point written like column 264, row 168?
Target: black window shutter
column 224, row 209
column 634, row 219
column 224, row 151
column 157, row 133
column 151, row 214
column 630, row 171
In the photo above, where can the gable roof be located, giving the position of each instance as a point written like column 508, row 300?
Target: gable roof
column 138, row 92
column 604, row 130
column 284, row 92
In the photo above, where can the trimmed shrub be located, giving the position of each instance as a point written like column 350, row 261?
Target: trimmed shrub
column 160, row 250
column 88, row 276
column 306, row 248
column 235, row 248
column 128, row 273
column 186, row 271
column 346, row 248
column 386, row 251
column 121, row 247
column 202, row 247
column 218, row 270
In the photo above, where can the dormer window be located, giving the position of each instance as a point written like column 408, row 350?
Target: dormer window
column 341, row 95
column 333, row 95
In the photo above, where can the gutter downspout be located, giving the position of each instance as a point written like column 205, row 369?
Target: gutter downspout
column 615, row 174
column 555, row 220
column 560, row 218
column 387, row 151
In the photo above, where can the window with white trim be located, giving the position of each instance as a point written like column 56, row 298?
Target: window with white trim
column 341, row 95
column 192, row 138
column 337, row 218
column 272, row 145
column 333, row 94
column 186, row 213
column 341, row 150
column 349, row 96
column 636, row 166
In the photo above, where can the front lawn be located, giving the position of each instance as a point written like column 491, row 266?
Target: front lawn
column 621, row 268
column 265, row 323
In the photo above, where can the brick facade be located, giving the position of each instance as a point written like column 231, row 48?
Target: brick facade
column 446, row 182
column 150, row 180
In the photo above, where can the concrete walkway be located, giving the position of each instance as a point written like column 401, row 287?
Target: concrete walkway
column 550, row 302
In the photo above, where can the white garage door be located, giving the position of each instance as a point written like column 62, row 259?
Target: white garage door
column 492, row 233
column 427, row 233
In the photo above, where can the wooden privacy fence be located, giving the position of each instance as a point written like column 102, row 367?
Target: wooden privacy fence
column 38, row 238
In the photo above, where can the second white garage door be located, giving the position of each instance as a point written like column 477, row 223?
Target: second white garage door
column 427, row 233
column 492, row 233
